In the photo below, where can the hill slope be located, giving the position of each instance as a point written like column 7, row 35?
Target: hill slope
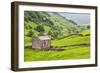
column 48, row 23
column 65, row 34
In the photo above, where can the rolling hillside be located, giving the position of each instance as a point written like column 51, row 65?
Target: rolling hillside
column 49, row 23
column 71, row 49
column 68, row 39
column 69, row 52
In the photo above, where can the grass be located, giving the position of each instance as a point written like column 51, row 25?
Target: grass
column 71, row 40
column 76, row 52
column 84, row 32
column 70, row 52
column 28, row 41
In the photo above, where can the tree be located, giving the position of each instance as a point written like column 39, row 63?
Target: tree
column 40, row 28
column 30, row 33
column 49, row 33
column 88, row 26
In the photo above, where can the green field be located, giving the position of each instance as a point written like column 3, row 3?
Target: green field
column 76, row 52
column 72, row 50
column 69, row 39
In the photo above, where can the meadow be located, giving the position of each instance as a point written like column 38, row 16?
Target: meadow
column 69, row 40
column 74, row 47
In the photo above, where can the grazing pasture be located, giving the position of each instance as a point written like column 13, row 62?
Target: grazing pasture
column 75, row 47
column 69, row 39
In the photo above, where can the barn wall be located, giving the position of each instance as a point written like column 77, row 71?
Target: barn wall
column 36, row 44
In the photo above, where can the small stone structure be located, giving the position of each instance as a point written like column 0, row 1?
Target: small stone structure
column 41, row 42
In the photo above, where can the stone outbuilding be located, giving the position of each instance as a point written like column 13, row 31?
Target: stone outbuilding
column 41, row 42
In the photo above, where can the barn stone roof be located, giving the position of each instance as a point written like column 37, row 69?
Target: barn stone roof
column 44, row 38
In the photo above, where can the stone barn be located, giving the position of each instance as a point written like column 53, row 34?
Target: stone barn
column 41, row 42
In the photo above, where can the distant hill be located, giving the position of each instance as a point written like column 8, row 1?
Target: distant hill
column 49, row 23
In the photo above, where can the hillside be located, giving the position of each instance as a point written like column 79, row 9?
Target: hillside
column 74, row 47
column 69, row 40
column 49, row 23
